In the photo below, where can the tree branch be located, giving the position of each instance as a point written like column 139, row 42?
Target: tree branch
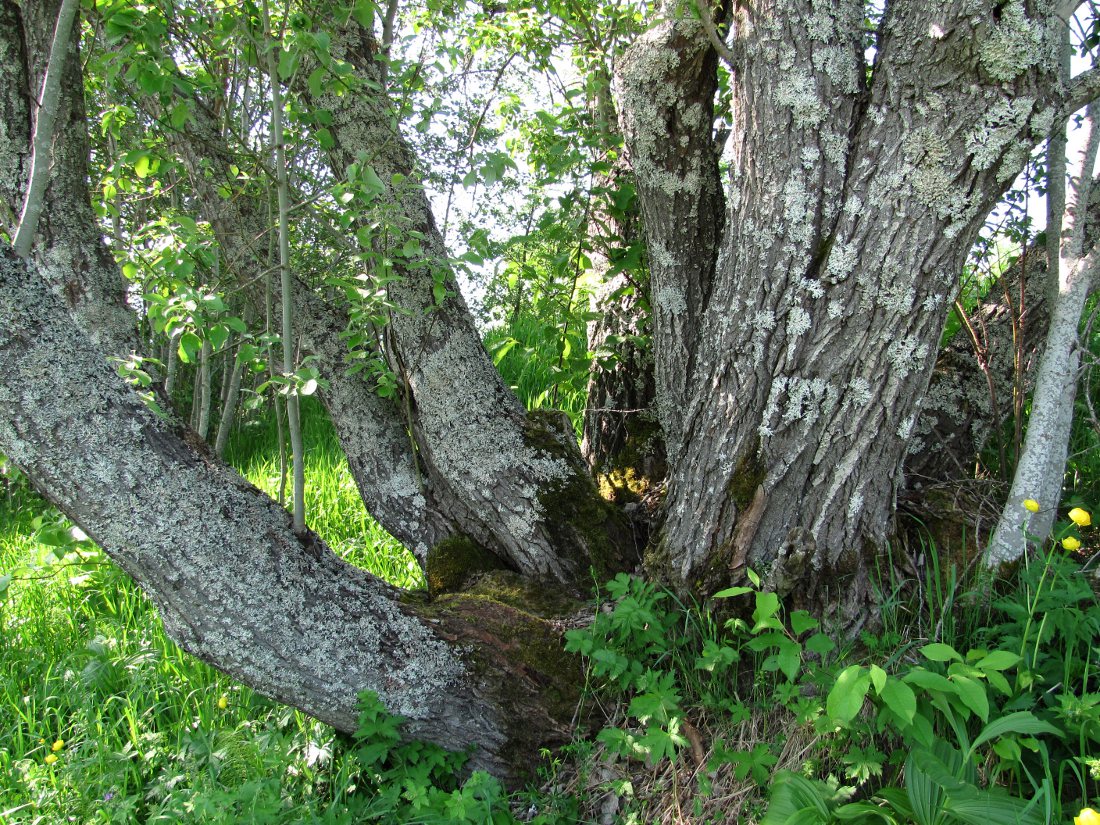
column 716, row 41
column 48, row 106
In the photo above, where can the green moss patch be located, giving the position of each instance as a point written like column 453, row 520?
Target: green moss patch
column 454, row 561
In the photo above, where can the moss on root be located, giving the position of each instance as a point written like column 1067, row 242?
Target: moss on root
column 511, row 630
column 454, row 561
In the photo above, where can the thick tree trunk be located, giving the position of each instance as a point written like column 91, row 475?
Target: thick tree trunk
column 851, row 208
column 515, row 483
column 234, row 584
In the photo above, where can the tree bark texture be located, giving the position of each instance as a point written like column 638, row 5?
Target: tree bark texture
column 851, row 205
column 70, row 255
column 234, row 584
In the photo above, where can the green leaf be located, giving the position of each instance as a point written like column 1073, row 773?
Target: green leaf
column 1021, row 721
column 790, row 658
column 929, row 680
column 801, row 621
column 237, row 325
column 938, row 652
column 973, row 695
column 899, row 697
column 288, row 63
column 767, row 605
column 847, row 694
column 978, row 807
column 180, row 114
column 998, row 660
column 878, row 678
column 795, row 798
column 189, row 346
column 820, row 644
column 316, row 81
column 926, row 796
column 730, row 592
column 144, row 165
column 217, row 336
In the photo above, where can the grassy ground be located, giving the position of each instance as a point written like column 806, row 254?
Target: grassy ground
column 707, row 714
column 103, row 719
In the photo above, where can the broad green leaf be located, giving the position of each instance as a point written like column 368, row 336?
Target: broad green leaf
column 795, row 798
column 1022, row 721
column 973, row 695
column 790, row 658
column 878, row 678
column 926, row 796
column 218, row 335
column 998, row 660
column 847, row 694
column 801, row 621
column 929, row 680
column 767, row 605
column 820, row 644
column 978, row 807
column 143, row 166
column 899, row 697
column 189, row 346
column 938, row 652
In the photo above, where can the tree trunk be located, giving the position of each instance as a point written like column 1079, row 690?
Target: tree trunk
column 513, row 482
column 851, row 207
column 70, row 255
column 233, row 583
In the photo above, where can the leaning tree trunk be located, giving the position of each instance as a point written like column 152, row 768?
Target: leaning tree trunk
column 237, row 587
column 851, row 206
column 515, row 483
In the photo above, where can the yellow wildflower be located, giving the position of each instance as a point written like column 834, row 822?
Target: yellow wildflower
column 50, row 758
column 1080, row 517
column 58, row 745
column 1071, row 544
column 223, row 702
column 1031, row 505
column 1087, row 817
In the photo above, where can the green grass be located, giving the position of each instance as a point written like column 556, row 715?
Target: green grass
column 84, row 660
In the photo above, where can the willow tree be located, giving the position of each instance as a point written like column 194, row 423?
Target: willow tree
column 798, row 300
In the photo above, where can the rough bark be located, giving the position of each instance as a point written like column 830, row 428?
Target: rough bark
column 515, row 483
column 69, row 254
column 851, row 210
column 668, row 81
column 234, row 584
column 371, row 429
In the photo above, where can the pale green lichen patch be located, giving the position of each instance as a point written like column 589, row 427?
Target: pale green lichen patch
column 799, row 94
column 1000, row 129
column 927, row 153
column 1014, row 45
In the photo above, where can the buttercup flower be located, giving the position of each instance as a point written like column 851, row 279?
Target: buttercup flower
column 223, row 702
column 1071, row 544
column 51, row 758
column 1031, row 505
column 1080, row 517
column 1087, row 817
column 58, row 745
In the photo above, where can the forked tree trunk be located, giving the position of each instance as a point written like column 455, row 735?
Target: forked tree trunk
column 851, row 205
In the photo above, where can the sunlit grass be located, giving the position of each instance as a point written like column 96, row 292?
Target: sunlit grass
column 148, row 732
